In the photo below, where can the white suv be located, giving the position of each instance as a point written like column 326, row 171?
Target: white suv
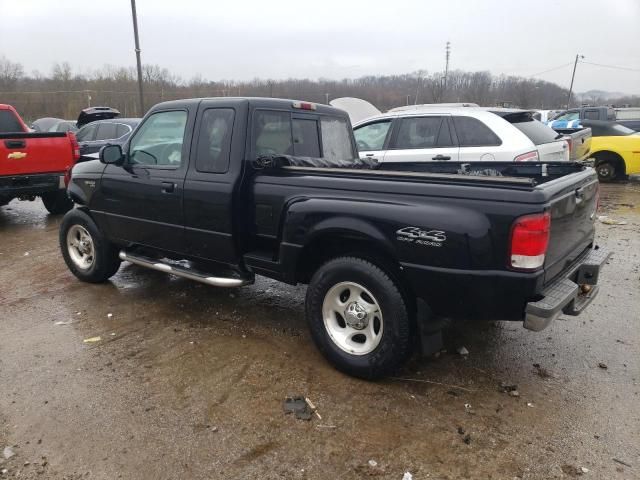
column 467, row 134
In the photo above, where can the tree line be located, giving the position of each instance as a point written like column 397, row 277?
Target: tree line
column 63, row 93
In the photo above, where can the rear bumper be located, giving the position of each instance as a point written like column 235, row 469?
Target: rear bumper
column 24, row 185
column 570, row 294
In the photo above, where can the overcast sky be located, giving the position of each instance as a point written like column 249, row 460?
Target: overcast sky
column 334, row 39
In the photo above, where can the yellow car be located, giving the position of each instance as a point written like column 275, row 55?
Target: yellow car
column 615, row 148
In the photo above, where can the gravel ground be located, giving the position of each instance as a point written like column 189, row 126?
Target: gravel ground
column 187, row 381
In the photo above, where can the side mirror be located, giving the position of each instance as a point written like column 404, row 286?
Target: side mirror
column 111, row 154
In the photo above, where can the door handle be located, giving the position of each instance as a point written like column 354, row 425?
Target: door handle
column 368, row 154
column 441, row 157
column 11, row 144
column 168, row 187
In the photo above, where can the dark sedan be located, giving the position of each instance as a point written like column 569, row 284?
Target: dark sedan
column 93, row 136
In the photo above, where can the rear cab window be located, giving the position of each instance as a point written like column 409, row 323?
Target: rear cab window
column 286, row 133
column 9, row 123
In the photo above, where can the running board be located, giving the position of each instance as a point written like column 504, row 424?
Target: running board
column 184, row 272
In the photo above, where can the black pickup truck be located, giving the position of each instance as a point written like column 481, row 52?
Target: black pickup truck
column 219, row 190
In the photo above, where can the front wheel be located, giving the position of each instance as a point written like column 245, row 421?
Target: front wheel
column 87, row 253
column 57, row 202
column 358, row 318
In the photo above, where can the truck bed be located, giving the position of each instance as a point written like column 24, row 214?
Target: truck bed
column 475, row 204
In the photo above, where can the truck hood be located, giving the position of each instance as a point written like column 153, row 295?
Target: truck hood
column 92, row 114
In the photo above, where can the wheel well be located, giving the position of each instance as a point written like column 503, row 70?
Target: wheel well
column 325, row 247
column 613, row 157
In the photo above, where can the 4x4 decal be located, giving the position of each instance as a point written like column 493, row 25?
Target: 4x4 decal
column 431, row 238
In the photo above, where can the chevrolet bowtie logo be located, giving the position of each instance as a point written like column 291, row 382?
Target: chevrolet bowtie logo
column 16, row 155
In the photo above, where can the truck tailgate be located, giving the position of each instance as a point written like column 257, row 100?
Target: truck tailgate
column 573, row 212
column 579, row 142
column 31, row 153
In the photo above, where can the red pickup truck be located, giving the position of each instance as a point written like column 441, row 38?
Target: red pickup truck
column 34, row 164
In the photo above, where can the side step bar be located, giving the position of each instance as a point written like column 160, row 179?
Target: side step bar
column 184, row 272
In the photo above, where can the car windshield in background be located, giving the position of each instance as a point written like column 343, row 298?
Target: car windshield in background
column 277, row 133
column 8, row 122
column 536, row 131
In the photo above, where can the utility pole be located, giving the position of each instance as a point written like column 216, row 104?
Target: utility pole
column 137, row 40
column 447, row 51
column 326, row 99
column 573, row 75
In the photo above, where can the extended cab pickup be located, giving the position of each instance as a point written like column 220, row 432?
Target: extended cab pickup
column 219, row 190
column 34, row 164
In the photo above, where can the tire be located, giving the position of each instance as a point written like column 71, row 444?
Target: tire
column 606, row 171
column 367, row 346
column 57, row 202
column 86, row 251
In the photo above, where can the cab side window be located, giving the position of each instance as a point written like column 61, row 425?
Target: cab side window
column 272, row 133
column 159, row 140
column 214, row 141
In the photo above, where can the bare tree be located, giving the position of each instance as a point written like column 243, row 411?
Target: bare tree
column 10, row 73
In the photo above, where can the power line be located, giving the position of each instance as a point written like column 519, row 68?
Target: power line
column 551, row 69
column 613, row 66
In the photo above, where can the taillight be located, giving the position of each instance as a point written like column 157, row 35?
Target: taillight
column 527, row 157
column 529, row 241
column 75, row 147
column 570, row 144
column 67, row 176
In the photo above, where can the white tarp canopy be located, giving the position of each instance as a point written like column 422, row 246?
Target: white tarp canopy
column 357, row 108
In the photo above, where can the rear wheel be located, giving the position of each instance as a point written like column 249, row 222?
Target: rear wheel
column 87, row 253
column 57, row 202
column 358, row 318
